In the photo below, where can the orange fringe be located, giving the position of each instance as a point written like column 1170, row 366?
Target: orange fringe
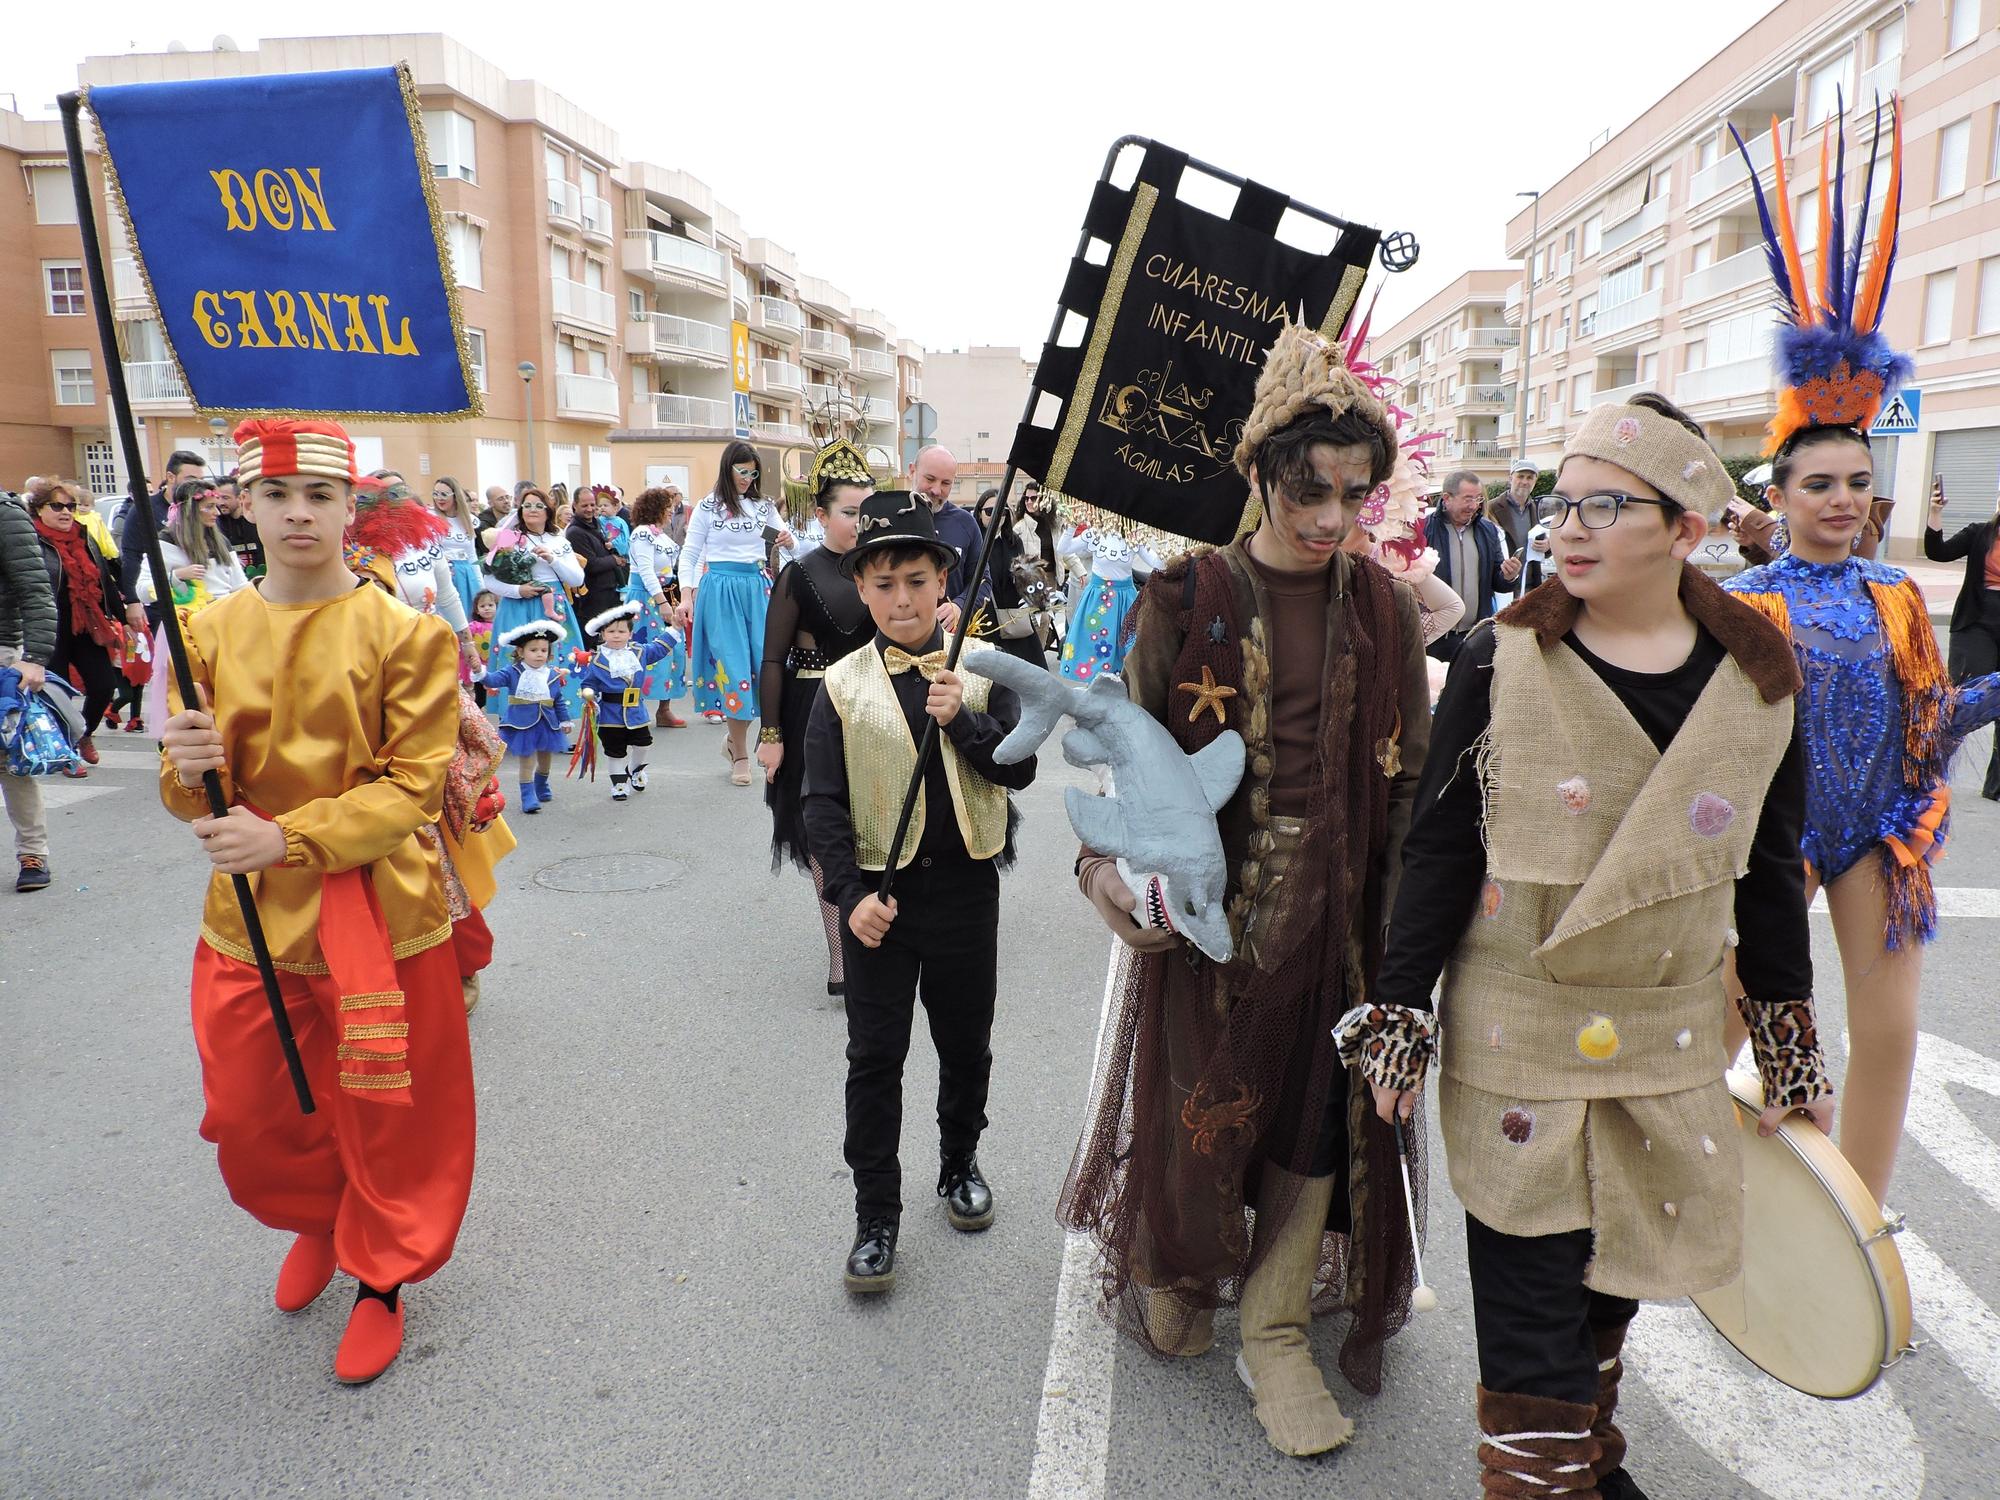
column 1772, row 607
column 1906, row 627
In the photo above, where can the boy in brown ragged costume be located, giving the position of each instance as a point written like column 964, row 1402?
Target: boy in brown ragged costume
column 1614, row 775
column 1226, row 1073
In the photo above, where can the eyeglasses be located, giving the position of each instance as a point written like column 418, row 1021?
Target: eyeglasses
column 58, row 505
column 744, row 471
column 1595, row 511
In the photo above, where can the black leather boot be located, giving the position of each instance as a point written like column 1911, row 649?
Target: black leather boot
column 968, row 1201
column 871, row 1264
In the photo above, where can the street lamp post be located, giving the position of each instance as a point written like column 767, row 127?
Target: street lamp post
column 526, row 371
column 1527, row 330
column 220, row 429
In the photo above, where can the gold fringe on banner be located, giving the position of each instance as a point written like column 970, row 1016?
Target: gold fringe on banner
column 1083, row 394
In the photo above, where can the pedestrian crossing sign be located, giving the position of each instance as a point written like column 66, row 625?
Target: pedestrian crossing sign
column 1900, row 417
column 743, row 415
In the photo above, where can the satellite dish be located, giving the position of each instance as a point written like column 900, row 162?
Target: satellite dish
column 224, row 44
column 177, row 46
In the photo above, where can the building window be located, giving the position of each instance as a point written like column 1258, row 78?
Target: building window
column 1593, row 235
column 63, row 280
column 1989, row 295
column 74, row 386
column 1940, row 291
column 1586, row 316
column 1888, row 41
column 1806, row 220
column 637, row 302
column 1623, row 284
column 1649, row 369
column 1702, row 256
column 475, row 351
column 1964, row 24
column 1954, row 144
column 1663, row 185
column 1569, row 243
column 451, row 141
column 1826, row 85
column 54, row 203
column 1580, row 398
column 1993, row 167
column 100, row 469
column 1695, row 356
column 1704, row 153
column 466, row 242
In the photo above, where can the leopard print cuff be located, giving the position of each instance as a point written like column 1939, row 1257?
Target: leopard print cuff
column 1784, row 1038
column 1392, row 1045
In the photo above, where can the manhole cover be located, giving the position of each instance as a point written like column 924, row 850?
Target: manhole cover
column 611, row 872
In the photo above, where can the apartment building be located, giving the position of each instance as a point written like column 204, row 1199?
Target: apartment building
column 1642, row 268
column 1450, row 360
column 621, row 283
column 979, row 394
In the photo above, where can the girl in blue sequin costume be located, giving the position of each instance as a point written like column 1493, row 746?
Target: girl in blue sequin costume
column 1880, row 720
column 1878, row 714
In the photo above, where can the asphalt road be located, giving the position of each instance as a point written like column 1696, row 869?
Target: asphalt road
column 646, row 1296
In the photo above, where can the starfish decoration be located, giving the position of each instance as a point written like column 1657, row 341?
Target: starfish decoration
column 1208, row 694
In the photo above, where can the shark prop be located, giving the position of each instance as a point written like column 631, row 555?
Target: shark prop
column 1158, row 813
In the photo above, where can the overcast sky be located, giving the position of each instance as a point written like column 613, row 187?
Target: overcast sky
column 934, row 160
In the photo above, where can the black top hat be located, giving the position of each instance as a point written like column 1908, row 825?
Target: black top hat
column 897, row 518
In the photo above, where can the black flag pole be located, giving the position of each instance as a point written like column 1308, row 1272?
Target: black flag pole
column 140, row 512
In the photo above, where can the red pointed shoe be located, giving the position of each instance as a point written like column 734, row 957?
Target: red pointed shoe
column 307, row 1269
column 373, row 1339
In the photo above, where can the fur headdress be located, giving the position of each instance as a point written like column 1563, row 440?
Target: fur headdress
column 1304, row 370
column 547, row 630
column 629, row 610
column 1835, row 369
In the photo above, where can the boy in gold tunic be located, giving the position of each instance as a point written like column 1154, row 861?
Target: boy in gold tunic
column 1614, row 776
column 940, row 932
column 330, row 711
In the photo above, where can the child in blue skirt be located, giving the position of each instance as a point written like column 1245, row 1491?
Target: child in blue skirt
column 532, row 725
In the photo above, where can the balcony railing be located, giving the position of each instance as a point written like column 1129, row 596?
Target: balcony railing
column 779, row 377
column 597, row 218
column 1492, row 338
column 670, row 255
column 155, row 380
column 1462, row 448
column 1743, row 377
column 1515, row 294
column 128, row 290
column 828, row 347
column 1623, row 315
column 1727, row 170
column 1486, row 394
column 676, row 335
column 874, row 362
column 1880, row 79
column 592, row 395
column 1618, row 395
column 780, row 432
column 584, row 304
column 1625, row 231
column 1748, row 268
column 689, row 411
column 565, row 201
column 827, row 395
column 879, row 409
column 778, row 318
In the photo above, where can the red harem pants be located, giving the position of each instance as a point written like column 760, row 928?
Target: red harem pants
column 389, row 1181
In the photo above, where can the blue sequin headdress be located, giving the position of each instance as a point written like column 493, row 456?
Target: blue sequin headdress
column 1835, row 369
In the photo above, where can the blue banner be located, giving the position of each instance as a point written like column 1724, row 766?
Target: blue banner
column 287, row 229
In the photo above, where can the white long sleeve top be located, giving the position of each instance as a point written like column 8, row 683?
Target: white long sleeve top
column 715, row 536
column 218, row 578
column 423, row 581
column 654, row 557
column 1112, row 557
column 456, row 545
column 560, row 568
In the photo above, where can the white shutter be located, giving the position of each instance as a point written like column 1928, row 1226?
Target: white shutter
column 1969, row 460
column 600, row 465
column 495, row 465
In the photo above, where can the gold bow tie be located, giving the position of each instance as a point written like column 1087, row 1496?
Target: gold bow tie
column 900, row 661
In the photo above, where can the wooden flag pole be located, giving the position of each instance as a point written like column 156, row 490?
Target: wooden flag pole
column 140, row 512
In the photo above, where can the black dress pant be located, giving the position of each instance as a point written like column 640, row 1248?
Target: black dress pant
column 942, row 948
column 101, row 677
column 1973, row 653
column 1532, row 1314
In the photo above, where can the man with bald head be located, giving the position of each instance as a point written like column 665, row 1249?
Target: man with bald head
column 931, row 476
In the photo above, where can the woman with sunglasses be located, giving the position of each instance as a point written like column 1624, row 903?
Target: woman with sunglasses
column 1009, row 618
column 91, row 603
column 1614, row 781
column 725, row 591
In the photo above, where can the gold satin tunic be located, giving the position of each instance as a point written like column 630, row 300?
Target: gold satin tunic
column 339, row 719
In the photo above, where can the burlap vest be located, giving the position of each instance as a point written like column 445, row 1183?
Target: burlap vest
column 882, row 756
column 1582, row 1011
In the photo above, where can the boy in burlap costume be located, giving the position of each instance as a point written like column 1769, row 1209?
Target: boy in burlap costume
column 1631, row 795
column 1222, row 1102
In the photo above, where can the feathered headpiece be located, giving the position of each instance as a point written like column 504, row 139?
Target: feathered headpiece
column 388, row 521
column 1835, row 368
column 838, row 429
column 1305, row 369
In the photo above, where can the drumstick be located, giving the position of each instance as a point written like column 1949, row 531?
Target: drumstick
column 1423, row 1299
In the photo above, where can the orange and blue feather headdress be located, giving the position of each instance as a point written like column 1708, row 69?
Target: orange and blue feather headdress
column 1835, row 368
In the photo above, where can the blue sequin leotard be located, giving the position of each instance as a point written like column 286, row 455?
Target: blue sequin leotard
column 1852, row 714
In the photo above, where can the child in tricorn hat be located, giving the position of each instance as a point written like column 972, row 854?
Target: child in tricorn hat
column 939, row 933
